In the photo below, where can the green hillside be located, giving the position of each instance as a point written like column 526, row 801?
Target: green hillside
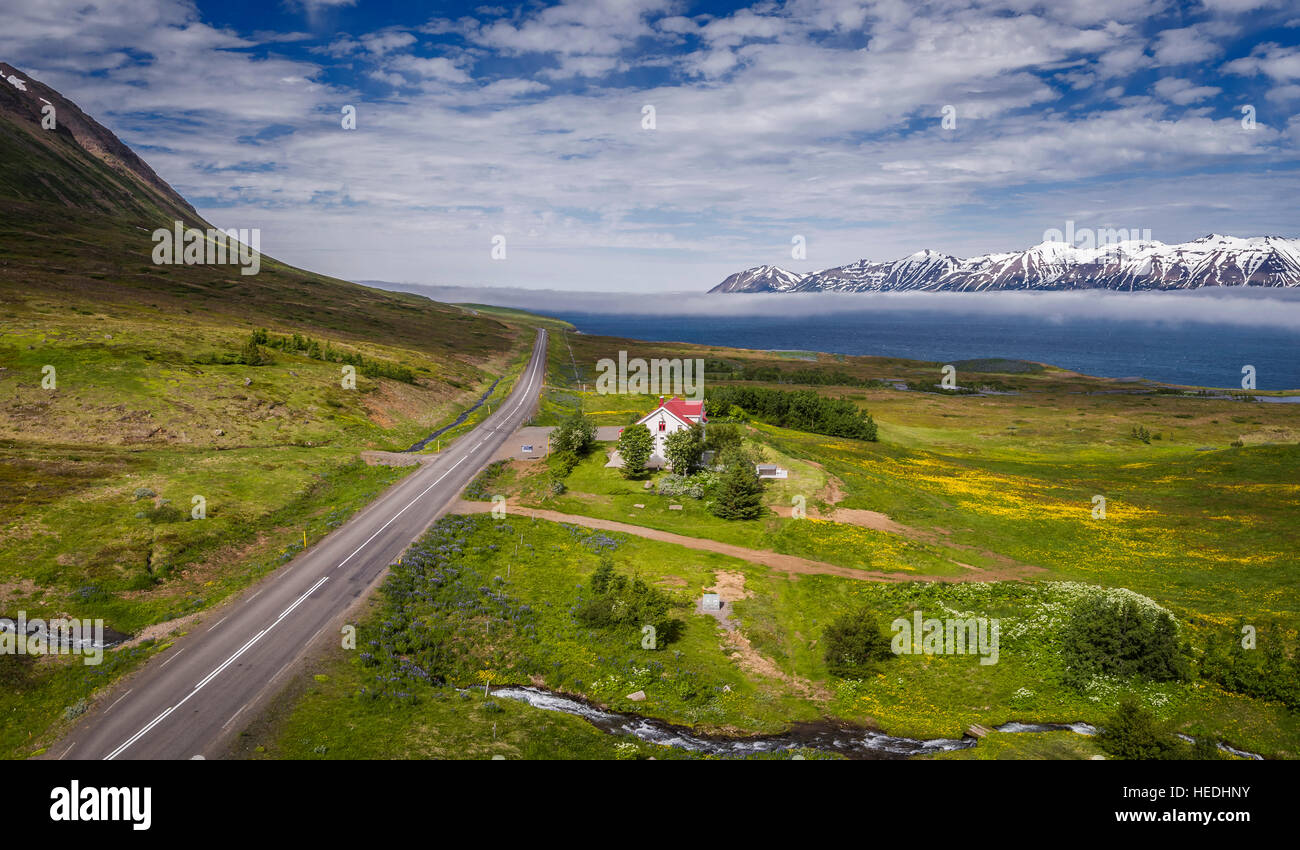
column 128, row 390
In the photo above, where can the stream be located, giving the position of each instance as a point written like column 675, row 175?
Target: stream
column 60, row 640
column 849, row 741
column 459, row 419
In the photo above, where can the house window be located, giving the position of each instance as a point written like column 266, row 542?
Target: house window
column 663, row 426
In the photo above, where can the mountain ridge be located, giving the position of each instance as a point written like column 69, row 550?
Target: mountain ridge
column 74, row 136
column 77, row 210
column 1133, row 265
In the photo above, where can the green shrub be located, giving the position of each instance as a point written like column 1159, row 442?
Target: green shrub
column 683, row 449
column 1131, row 733
column 739, row 492
column 634, row 447
column 802, row 410
column 1122, row 636
column 627, row 604
column 576, row 435
column 719, row 438
column 252, row 355
column 562, row 463
column 1268, row 672
column 853, row 644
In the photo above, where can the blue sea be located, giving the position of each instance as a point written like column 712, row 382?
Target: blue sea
column 1193, row 353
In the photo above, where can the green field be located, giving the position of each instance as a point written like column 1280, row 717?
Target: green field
column 995, row 489
column 154, row 479
column 778, row 678
column 149, row 466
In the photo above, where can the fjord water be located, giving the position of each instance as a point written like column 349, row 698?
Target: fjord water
column 1192, row 353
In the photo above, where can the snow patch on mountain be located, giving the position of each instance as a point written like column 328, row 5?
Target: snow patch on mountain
column 1136, row 264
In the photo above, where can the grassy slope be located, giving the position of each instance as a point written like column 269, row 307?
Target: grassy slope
column 513, row 315
column 697, row 680
column 1205, row 533
column 98, row 473
column 1191, row 520
column 1200, row 526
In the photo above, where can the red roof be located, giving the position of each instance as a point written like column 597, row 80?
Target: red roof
column 683, row 409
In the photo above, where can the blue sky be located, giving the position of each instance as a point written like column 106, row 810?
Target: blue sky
column 813, row 118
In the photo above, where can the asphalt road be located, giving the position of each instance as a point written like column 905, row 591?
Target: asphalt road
column 191, row 699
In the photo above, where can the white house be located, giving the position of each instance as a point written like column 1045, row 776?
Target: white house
column 671, row 415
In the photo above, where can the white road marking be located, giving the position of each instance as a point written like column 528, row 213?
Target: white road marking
column 151, row 724
column 233, row 716
column 116, row 701
column 423, row 492
column 402, row 511
column 218, row 622
column 173, row 658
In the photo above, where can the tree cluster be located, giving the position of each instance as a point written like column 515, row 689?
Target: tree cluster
column 853, row 644
column 802, row 410
column 1108, row 637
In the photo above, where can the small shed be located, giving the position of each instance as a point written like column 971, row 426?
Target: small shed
column 711, row 602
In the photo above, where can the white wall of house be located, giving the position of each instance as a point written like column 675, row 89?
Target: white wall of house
column 662, row 423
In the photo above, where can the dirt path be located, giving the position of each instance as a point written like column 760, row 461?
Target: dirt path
column 856, row 516
column 1007, row 567
column 790, row 564
column 730, row 586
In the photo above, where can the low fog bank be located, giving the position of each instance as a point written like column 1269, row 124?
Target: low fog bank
column 1247, row 306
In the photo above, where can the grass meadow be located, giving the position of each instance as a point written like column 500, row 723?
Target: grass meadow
column 1199, row 520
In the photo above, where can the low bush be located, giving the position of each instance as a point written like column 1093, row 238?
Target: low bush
column 1123, row 635
column 695, row 486
column 622, row 603
column 853, row 644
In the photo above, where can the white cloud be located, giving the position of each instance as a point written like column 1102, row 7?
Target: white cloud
column 1277, row 62
column 1186, row 45
column 778, row 122
column 429, row 67
column 587, row 34
column 1182, row 91
column 379, row 43
column 1234, row 7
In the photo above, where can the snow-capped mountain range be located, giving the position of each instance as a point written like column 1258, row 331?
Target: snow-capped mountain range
column 1212, row 260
